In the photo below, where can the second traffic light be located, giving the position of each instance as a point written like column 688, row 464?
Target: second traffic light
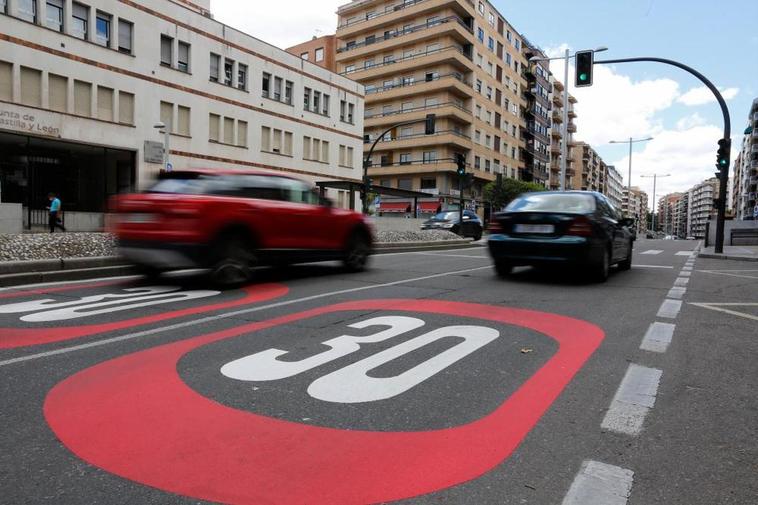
column 460, row 160
column 585, row 60
column 722, row 158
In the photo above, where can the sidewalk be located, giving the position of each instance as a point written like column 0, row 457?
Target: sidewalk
column 732, row 252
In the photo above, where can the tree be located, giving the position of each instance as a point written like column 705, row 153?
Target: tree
column 503, row 191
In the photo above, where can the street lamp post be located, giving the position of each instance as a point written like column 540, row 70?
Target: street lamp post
column 564, row 134
column 655, row 181
column 631, row 141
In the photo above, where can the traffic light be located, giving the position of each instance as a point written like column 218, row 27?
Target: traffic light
column 722, row 159
column 429, row 127
column 716, row 203
column 468, row 180
column 584, row 62
column 460, row 160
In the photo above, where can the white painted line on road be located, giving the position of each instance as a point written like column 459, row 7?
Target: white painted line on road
column 727, row 274
column 153, row 331
column 681, row 281
column 670, row 309
column 653, row 251
column 653, row 266
column 687, row 269
column 634, row 399
column 600, row 484
column 685, row 253
column 67, row 283
column 719, row 307
column 676, row 293
column 658, row 337
column 685, row 273
column 452, row 255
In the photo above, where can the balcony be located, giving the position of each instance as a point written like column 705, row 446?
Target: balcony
column 404, row 9
column 754, row 149
column 451, row 25
column 572, row 113
column 442, row 165
column 452, row 82
column 451, row 54
column 555, row 148
column 447, row 137
column 571, row 128
column 448, row 109
column 556, row 133
column 557, row 116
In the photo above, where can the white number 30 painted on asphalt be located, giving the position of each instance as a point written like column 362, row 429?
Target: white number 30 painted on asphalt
column 352, row 383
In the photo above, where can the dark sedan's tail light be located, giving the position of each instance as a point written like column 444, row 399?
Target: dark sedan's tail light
column 494, row 227
column 580, row 227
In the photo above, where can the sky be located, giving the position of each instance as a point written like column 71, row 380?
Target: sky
column 639, row 100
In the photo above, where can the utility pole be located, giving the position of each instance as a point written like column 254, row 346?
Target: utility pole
column 631, row 141
column 655, row 181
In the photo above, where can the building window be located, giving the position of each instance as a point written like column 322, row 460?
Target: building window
column 480, row 35
column 54, row 15
column 304, row 56
column 79, row 15
column 103, row 29
column 31, row 87
column 183, row 57
column 316, row 100
column 183, row 120
column 307, row 99
column 288, row 88
column 266, row 85
column 278, row 89
column 125, row 108
column 167, row 50
column 125, row 35
column 265, row 138
column 215, row 64
column 320, row 54
column 430, row 157
column 167, row 115
column 27, row 10
column 325, row 105
column 242, row 77
column 82, row 98
column 428, row 183
column 228, row 131
column 104, row 103
column 57, row 87
column 350, row 113
column 491, row 43
column 405, row 159
column 228, row 71
column 242, row 133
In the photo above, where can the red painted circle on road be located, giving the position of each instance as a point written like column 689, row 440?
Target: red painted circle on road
column 23, row 337
column 135, row 417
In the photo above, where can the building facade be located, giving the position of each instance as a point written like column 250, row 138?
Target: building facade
column 457, row 59
column 637, row 207
column 590, row 169
column 319, row 50
column 665, row 217
column 700, row 208
column 556, row 138
column 83, row 85
column 745, row 178
column 614, row 186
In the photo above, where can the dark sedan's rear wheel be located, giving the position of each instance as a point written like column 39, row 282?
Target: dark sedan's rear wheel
column 627, row 263
column 503, row 268
column 148, row 272
column 233, row 262
column 478, row 234
column 357, row 251
column 602, row 267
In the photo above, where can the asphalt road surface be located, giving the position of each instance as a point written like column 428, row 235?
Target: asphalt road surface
column 425, row 380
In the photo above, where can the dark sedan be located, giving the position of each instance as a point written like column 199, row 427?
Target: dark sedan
column 450, row 220
column 572, row 228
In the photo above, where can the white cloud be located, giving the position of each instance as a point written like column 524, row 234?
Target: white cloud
column 690, row 121
column 688, row 155
column 289, row 23
column 702, row 95
column 616, row 106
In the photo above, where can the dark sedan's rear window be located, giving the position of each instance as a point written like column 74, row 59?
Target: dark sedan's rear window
column 571, row 203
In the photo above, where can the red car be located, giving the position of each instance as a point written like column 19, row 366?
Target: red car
column 232, row 221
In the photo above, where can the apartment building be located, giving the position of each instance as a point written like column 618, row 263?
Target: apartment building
column 83, row 84
column 590, row 169
column 637, row 207
column 664, row 219
column 700, row 209
column 745, row 178
column 537, row 112
column 614, row 186
column 457, row 59
column 556, row 138
column 319, row 50
column 681, row 216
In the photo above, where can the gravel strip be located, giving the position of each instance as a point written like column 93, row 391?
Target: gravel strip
column 43, row 246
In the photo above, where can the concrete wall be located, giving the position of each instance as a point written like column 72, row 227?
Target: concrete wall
column 10, row 218
column 728, row 227
column 397, row 224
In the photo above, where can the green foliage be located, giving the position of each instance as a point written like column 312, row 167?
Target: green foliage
column 502, row 194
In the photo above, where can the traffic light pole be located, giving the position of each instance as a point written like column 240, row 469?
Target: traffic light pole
column 724, row 175
column 460, row 204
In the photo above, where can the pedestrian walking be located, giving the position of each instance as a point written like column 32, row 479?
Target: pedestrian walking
column 54, row 211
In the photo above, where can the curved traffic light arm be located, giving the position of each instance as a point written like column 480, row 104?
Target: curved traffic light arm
column 724, row 168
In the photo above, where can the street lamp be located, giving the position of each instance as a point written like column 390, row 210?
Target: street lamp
column 631, row 141
column 166, row 140
column 564, row 134
column 655, row 180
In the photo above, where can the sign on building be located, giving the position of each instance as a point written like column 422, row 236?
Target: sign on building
column 153, row 152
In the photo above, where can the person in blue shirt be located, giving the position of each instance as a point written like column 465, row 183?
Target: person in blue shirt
column 54, row 210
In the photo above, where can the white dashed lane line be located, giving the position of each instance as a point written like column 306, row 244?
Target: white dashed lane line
column 600, row 484
column 670, row 309
column 685, row 253
column 681, row 281
column 658, row 337
column 633, row 400
column 652, row 252
column 676, row 293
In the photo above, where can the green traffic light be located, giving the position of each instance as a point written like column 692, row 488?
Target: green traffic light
column 582, row 77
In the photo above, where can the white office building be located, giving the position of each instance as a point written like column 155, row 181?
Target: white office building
column 83, row 85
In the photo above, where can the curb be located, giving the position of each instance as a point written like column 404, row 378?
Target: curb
column 18, row 273
column 727, row 257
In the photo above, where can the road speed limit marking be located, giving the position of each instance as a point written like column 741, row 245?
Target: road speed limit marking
column 134, row 416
